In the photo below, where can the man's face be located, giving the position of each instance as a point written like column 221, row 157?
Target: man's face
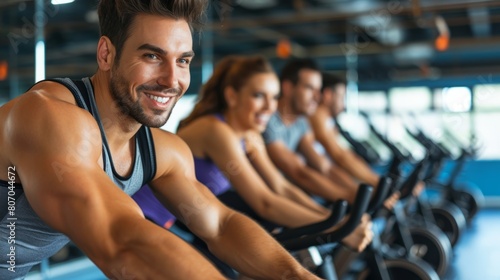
column 153, row 70
column 338, row 97
column 306, row 92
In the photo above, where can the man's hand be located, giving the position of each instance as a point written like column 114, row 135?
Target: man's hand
column 392, row 200
column 418, row 189
column 361, row 236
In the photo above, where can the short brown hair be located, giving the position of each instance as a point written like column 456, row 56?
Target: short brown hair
column 292, row 68
column 331, row 80
column 116, row 16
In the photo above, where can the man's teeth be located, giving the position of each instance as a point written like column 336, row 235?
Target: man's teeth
column 264, row 118
column 158, row 99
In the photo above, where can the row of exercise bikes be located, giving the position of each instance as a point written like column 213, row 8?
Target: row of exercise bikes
column 415, row 239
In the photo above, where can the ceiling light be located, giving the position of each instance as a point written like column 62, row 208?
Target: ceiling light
column 59, row 2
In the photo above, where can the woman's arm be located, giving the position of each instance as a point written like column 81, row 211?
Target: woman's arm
column 223, row 147
column 257, row 153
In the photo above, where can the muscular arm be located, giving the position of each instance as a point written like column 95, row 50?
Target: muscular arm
column 56, row 155
column 296, row 194
column 324, row 165
column 307, row 178
column 232, row 237
column 327, row 137
column 319, row 162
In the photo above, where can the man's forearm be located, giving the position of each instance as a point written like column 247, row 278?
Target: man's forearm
column 297, row 195
column 360, row 169
column 349, row 162
column 249, row 249
column 147, row 251
column 315, row 183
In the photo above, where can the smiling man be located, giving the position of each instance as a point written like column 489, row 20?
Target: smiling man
column 76, row 150
column 290, row 140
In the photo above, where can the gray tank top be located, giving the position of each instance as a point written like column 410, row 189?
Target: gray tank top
column 31, row 238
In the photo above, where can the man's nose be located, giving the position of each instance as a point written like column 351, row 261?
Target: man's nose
column 169, row 75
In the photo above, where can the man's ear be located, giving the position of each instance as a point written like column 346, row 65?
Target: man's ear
column 106, row 53
column 231, row 96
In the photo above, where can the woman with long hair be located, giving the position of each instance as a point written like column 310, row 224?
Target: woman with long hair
column 223, row 132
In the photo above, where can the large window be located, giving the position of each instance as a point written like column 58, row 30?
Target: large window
column 459, row 113
column 372, row 101
column 487, row 97
column 485, row 119
column 410, row 99
column 453, row 99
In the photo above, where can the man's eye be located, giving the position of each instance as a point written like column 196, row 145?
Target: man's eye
column 151, row 56
column 184, row 61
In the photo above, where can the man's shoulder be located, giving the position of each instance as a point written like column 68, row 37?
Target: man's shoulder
column 275, row 129
column 47, row 99
column 171, row 152
column 43, row 124
column 44, row 111
column 166, row 141
column 44, row 100
column 162, row 136
column 54, row 89
column 275, row 121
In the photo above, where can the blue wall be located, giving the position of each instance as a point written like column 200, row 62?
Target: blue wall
column 482, row 173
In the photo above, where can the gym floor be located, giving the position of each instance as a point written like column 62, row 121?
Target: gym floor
column 477, row 255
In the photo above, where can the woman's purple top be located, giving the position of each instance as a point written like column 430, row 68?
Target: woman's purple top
column 152, row 208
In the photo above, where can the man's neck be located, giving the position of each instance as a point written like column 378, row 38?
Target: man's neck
column 119, row 128
column 287, row 114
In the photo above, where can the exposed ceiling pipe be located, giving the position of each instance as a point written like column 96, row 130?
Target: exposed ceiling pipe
column 379, row 20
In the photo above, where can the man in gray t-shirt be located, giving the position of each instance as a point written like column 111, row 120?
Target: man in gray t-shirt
column 289, row 134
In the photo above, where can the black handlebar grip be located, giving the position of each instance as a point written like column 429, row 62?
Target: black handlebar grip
column 359, row 208
column 416, row 175
column 381, row 193
column 338, row 212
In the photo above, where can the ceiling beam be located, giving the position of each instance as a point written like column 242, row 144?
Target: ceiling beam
column 315, row 15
